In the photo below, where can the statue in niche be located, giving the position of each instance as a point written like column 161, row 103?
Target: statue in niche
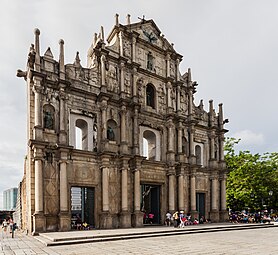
column 110, row 134
column 31, row 57
column 48, row 120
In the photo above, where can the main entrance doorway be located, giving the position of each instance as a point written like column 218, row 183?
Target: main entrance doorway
column 150, row 203
column 200, row 203
column 82, row 208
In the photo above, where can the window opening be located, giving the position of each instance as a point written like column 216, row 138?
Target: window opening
column 150, row 94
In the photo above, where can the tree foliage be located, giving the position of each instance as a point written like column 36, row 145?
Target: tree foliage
column 251, row 178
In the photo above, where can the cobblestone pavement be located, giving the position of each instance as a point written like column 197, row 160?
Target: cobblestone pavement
column 253, row 241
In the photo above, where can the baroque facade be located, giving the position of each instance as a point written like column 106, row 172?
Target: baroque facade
column 120, row 138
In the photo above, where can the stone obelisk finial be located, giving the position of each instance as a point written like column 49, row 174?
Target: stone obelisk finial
column 62, row 60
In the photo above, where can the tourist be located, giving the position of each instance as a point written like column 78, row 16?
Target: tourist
column 176, row 219
column 11, row 223
column 151, row 216
column 5, row 225
column 168, row 219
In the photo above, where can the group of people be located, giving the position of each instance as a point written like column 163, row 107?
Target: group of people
column 247, row 217
column 180, row 219
column 8, row 225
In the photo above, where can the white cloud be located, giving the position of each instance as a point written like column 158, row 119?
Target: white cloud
column 249, row 138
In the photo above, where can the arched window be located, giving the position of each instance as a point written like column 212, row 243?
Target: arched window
column 150, row 61
column 149, row 145
column 48, row 117
column 198, row 153
column 112, row 130
column 150, row 95
column 81, row 134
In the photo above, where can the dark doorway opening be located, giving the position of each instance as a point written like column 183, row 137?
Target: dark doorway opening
column 150, row 203
column 200, row 203
column 82, row 208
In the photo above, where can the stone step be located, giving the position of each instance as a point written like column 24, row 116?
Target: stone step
column 50, row 239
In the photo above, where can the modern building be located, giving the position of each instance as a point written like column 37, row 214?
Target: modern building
column 9, row 199
column 119, row 138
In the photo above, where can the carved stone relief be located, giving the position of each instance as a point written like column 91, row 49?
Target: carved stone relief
column 127, row 82
column 112, row 79
column 162, row 98
column 127, row 48
column 50, row 188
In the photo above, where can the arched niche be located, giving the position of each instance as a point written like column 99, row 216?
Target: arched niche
column 81, row 134
column 150, row 141
column 112, row 131
column 150, row 95
column 48, row 117
column 198, row 154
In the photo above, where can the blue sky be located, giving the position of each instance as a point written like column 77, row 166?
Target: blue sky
column 230, row 45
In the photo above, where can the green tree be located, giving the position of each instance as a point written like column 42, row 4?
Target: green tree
column 251, row 178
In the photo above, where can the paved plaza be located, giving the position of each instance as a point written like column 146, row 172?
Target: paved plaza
column 251, row 241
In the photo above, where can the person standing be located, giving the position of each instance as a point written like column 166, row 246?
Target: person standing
column 168, row 219
column 5, row 226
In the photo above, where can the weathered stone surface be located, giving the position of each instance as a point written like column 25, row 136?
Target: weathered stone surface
column 121, row 129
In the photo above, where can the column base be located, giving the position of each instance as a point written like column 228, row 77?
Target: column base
column 105, row 220
column 38, row 133
column 214, row 216
column 224, row 216
column 137, row 219
column 39, row 223
column 64, row 221
column 125, row 220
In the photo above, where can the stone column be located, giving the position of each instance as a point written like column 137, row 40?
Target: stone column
column 178, row 98
column 39, row 224
column 134, row 85
column 168, row 58
column 223, row 194
column 125, row 215
column 221, row 147
column 168, row 88
column 103, row 70
column 180, row 138
column 137, row 214
column 214, row 194
column 133, row 49
column 64, row 215
column 181, row 192
column 124, row 148
column 137, row 190
column 171, row 192
column 124, row 190
column 170, row 135
column 62, row 132
column 212, row 147
column 121, row 44
column 193, row 193
column 105, row 189
column 214, row 214
column 223, row 213
column 104, row 119
column 135, row 132
column 122, row 77
column 37, row 89
column 191, row 142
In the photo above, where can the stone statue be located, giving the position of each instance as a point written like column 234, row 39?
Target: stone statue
column 31, row 57
column 110, row 134
column 48, row 120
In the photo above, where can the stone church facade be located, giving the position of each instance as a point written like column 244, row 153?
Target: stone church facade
column 120, row 138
